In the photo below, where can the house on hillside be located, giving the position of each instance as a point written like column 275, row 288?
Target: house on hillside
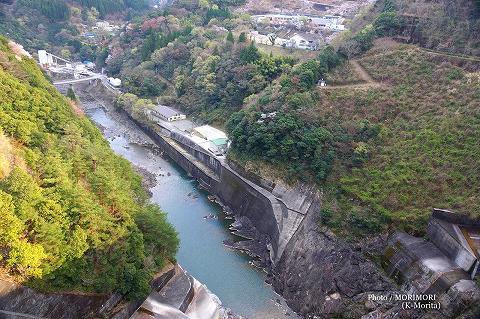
column 329, row 22
column 166, row 113
column 280, row 19
column 287, row 39
column 266, row 39
column 304, row 41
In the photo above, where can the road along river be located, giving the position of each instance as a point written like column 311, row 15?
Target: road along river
column 201, row 224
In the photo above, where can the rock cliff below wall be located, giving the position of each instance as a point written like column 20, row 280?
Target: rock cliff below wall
column 320, row 275
column 19, row 299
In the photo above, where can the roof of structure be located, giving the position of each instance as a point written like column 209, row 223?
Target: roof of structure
column 220, row 141
column 210, row 133
column 166, row 111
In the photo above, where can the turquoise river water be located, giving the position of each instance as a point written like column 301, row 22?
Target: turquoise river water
column 227, row 273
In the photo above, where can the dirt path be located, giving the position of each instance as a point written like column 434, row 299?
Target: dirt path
column 368, row 81
column 352, row 86
column 362, row 72
column 451, row 55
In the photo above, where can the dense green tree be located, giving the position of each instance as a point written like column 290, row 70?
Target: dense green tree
column 387, row 24
column 110, row 6
column 242, row 37
column 55, row 10
column 389, row 6
column 249, row 54
column 329, row 59
column 286, row 140
column 71, row 94
column 230, row 37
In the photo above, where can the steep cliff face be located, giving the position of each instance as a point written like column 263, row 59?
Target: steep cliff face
column 321, row 275
column 19, row 299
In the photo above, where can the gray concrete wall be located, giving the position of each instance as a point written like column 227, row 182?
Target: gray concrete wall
column 271, row 215
column 449, row 245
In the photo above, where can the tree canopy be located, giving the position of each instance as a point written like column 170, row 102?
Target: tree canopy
column 73, row 215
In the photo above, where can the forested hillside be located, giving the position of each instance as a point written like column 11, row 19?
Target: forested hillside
column 384, row 154
column 393, row 151
column 73, row 216
column 195, row 56
column 58, row 26
column 445, row 25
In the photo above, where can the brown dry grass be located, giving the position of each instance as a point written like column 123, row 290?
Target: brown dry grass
column 76, row 109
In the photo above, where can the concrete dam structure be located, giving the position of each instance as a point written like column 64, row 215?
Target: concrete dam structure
column 444, row 266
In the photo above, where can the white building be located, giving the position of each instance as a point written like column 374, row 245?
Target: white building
column 217, row 140
column 329, row 22
column 295, row 40
column 304, row 42
column 45, row 59
column 256, row 37
column 166, row 113
column 105, row 26
column 279, row 19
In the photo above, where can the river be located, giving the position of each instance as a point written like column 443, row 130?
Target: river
column 227, row 273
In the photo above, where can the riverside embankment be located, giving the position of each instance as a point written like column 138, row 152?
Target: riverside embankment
column 201, row 224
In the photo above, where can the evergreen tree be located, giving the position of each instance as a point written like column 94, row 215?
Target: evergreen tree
column 230, row 37
column 71, row 94
column 242, row 38
column 249, row 54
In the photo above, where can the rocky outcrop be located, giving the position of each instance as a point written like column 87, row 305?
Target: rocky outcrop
column 16, row 299
column 320, row 275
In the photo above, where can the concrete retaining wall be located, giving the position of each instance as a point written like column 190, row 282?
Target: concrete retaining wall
column 234, row 192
